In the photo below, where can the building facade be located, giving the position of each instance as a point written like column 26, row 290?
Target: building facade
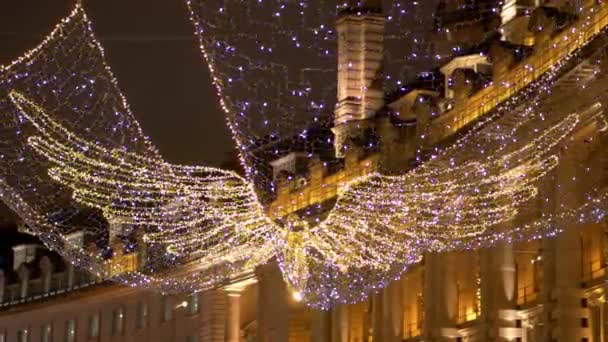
column 548, row 289
column 43, row 298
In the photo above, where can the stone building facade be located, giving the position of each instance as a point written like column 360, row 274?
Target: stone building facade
column 549, row 289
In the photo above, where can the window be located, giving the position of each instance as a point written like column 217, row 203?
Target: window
column 193, row 303
column 192, row 338
column 142, row 315
column 70, row 330
column 584, row 322
column 118, row 321
column 94, row 325
column 3, row 336
column 167, row 309
column 23, row 335
column 46, row 335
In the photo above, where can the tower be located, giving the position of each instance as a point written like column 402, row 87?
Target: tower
column 360, row 28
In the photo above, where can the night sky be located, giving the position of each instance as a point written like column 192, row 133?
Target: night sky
column 152, row 49
column 153, row 52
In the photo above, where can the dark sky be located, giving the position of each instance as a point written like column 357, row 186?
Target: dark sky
column 153, row 52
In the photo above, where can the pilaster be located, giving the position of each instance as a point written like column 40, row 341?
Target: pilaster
column 273, row 309
column 321, row 326
column 213, row 316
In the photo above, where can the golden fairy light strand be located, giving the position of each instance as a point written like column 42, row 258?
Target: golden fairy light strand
column 352, row 237
column 73, row 34
column 200, row 226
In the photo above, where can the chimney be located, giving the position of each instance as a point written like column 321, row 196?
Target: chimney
column 360, row 29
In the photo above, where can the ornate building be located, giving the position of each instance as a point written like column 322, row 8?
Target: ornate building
column 549, row 289
column 461, row 24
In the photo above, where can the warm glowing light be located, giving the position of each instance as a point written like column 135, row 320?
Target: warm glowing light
column 195, row 227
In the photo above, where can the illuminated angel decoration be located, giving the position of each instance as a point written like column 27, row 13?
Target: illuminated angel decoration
column 195, row 227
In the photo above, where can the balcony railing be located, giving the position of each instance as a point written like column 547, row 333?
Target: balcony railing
column 467, row 314
column 59, row 286
column 527, row 295
column 411, row 330
column 523, row 74
column 593, row 270
column 466, row 111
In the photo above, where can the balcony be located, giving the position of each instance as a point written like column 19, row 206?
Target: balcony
column 527, row 295
column 520, row 76
column 593, row 270
column 468, row 314
column 412, row 330
column 60, row 284
column 517, row 8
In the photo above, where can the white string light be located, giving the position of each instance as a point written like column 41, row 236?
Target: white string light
column 200, row 226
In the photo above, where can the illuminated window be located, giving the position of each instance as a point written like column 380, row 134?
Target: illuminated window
column 70, row 330
column 193, row 303
column 118, row 321
column 94, row 325
column 46, row 335
column 142, row 315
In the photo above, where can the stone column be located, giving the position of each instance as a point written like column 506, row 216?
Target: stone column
column 440, row 296
column 233, row 330
column 339, row 322
column 357, row 317
column 24, row 280
column 273, row 308
column 233, row 296
column 321, row 326
column 213, row 316
column 393, row 312
column 498, row 288
column 46, row 268
column 377, row 319
column 567, row 248
column 69, row 271
column 433, row 285
column 601, row 321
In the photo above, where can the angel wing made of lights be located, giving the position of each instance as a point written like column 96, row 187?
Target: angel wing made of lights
column 201, row 212
column 209, row 222
column 213, row 216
